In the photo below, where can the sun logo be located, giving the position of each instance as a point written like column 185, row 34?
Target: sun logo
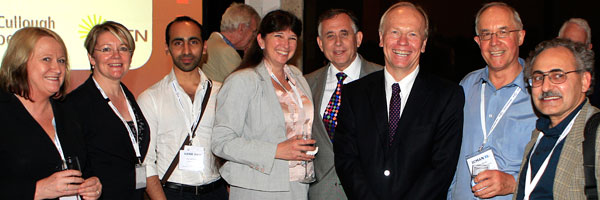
column 87, row 25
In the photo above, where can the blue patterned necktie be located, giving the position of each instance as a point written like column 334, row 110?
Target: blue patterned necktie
column 330, row 116
column 395, row 105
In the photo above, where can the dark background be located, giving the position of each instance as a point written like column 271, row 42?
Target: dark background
column 451, row 51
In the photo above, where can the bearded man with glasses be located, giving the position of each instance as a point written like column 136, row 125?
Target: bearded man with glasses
column 498, row 115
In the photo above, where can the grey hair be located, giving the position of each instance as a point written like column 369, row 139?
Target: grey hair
column 331, row 13
column 582, row 23
column 410, row 5
column 516, row 17
column 236, row 14
column 584, row 58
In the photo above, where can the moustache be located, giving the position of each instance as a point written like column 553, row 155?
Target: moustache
column 550, row 94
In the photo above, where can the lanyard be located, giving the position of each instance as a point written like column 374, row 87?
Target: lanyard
column 298, row 99
column 486, row 134
column 196, row 123
column 529, row 183
column 57, row 141
column 134, row 142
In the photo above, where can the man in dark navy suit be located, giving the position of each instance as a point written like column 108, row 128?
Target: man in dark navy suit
column 399, row 130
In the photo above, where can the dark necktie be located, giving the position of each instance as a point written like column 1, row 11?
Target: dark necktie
column 395, row 105
column 330, row 116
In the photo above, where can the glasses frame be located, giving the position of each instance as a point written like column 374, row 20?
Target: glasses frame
column 112, row 51
column 552, row 80
column 484, row 35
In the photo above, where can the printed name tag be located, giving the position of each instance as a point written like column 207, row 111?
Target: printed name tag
column 140, row 176
column 74, row 197
column 484, row 158
column 191, row 158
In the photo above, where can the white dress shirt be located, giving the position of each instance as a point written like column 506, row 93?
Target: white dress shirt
column 171, row 114
column 405, row 86
column 353, row 72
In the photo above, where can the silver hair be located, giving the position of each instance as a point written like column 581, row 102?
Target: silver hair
column 582, row 23
column 405, row 4
column 354, row 26
column 584, row 58
column 516, row 17
column 236, row 14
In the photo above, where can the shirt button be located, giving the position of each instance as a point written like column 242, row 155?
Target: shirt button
column 490, row 115
column 386, row 172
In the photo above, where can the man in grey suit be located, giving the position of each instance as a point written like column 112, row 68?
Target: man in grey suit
column 339, row 38
column 560, row 74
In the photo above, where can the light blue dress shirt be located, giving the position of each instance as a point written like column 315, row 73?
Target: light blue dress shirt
column 508, row 139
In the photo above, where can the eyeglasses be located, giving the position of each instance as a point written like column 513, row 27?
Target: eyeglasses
column 499, row 34
column 108, row 50
column 556, row 76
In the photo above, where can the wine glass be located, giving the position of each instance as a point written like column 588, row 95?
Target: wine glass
column 309, row 173
column 71, row 163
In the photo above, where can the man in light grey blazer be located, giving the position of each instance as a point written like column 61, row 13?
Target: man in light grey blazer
column 560, row 74
column 339, row 38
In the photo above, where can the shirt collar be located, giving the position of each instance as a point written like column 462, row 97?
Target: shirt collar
column 519, row 81
column 204, row 81
column 227, row 40
column 353, row 70
column 405, row 84
column 543, row 123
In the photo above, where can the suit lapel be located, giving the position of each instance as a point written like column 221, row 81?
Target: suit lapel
column 319, row 90
column 571, row 157
column 378, row 103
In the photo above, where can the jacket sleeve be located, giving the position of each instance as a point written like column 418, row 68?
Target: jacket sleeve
column 346, row 153
column 445, row 150
column 229, row 140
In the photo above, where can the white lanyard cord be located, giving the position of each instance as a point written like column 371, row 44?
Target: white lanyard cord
column 486, row 134
column 57, row 141
column 529, row 183
column 298, row 99
column 195, row 124
column 134, row 142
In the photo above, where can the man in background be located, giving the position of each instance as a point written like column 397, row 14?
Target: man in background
column 577, row 30
column 238, row 28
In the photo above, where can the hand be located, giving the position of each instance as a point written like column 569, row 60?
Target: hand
column 90, row 189
column 63, row 183
column 295, row 149
column 493, row 183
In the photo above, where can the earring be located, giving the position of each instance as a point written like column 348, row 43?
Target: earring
column 262, row 48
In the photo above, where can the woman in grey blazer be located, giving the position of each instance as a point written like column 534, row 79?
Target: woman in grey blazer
column 263, row 109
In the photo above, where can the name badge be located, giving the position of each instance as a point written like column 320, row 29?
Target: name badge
column 481, row 161
column 74, row 197
column 140, row 176
column 191, row 158
column 486, row 158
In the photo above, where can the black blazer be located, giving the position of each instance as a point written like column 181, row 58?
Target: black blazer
column 110, row 153
column 27, row 153
column 423, row 156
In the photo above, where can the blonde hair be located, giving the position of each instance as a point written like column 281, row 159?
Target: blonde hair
column 13, row 71
column 117, row 29
column 410, row 5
